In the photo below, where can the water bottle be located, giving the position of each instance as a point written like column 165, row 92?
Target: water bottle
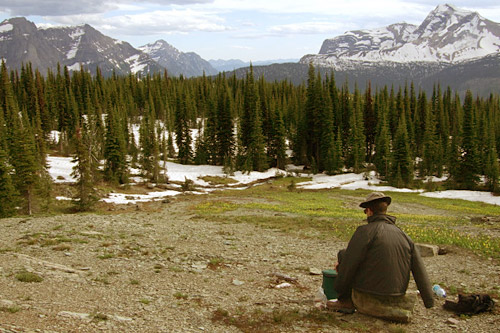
column 438, row 290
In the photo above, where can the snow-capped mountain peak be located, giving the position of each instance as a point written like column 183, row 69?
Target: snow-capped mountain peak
column 448, row 34
column 189, row 64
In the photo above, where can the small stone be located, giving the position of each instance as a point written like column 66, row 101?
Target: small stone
column 315, row 271
column 74, row 315
column 6, row 303
column 238, row 282
column 67, row 254
column 120, row 318
column 283, row 285
column 84, row 268
column 452, row 321
column 199, row 266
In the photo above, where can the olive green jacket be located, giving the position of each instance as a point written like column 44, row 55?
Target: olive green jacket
column 378, row 260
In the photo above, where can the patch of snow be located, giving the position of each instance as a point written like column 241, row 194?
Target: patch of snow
column 6, row 27
column 75, row 67
column 77, row 33
column 135, row 64
column 486, row 197
column 54, row 136
column 60, row 168
column 122, row 198
column 63, row 167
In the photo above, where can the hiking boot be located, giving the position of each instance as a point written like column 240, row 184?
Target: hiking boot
column 344, row 306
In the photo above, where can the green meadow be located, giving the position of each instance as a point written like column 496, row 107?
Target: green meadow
column 335, row 213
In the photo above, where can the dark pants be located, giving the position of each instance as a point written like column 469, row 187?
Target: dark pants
column 347, row 295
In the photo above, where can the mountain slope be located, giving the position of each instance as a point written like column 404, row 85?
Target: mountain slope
column 87, row 46
column 22, row 42
column 189, row 64
column 447, row 35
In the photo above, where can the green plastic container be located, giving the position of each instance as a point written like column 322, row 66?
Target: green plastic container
column 329, row 276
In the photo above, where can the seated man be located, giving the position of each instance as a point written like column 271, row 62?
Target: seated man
column 375, row 268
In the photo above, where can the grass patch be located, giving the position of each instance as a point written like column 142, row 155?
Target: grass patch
column 275, row 320
column 145, row 301
column 180, row 295
column 99, row 316
column 29, row 277
column 134, row 282
column 215, row 263
column 10, row 309
column 175, row 269
column 217, row 180
column 106, row 256
column 335, row 213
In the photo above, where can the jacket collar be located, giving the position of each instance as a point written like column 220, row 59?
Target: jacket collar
column 382, row 218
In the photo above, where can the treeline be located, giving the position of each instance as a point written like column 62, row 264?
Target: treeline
column 242, row 124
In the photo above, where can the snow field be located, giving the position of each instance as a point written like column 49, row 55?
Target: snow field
column 60, row 169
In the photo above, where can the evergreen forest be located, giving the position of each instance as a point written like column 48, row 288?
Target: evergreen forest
column 248, row 124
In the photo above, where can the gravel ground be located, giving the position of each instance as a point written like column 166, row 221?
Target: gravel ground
column 170, row 270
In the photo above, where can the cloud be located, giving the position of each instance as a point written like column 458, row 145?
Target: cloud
column 74, row 7
column 307, row 28
column 151, row 23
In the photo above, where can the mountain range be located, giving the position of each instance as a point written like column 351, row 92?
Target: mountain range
column 448, row 35
column 22, row 42
column 454, row 47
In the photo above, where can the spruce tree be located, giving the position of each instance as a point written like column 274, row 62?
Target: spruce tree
column 24, row 160
column 182, row 130
column 468, row 173
column 115, row 151
column 382, row 158
column 252, row 156
column 356, row 142
column 370, row 122
column 83, row 171
column 225, row 127
column 8, row 193
column 402, row 165
column 492, row 168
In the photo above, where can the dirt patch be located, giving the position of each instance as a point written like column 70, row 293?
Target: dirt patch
column 170, row 270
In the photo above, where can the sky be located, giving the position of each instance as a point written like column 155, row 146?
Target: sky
column 250, row 30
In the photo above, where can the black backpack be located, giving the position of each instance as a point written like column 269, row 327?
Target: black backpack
column 470, row 304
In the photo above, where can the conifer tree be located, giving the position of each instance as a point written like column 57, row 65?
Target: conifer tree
column 382, row 158
column 492, row 168
column 277, row 147
column 225, row 127
column 252, row 156
column 24, row 159
column 170, row 146
column 356, row 142
column 8, row 193
column 115, row 151
column 430, row 149
column 402, row 165
column 468, row 172
column 208, row 143
column 182, row 130
column 370, row 122
column 83, row 171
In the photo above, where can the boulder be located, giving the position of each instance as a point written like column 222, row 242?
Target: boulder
column 427, row 250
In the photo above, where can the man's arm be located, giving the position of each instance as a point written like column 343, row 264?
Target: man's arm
column 421, row 278
column 348, row 264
